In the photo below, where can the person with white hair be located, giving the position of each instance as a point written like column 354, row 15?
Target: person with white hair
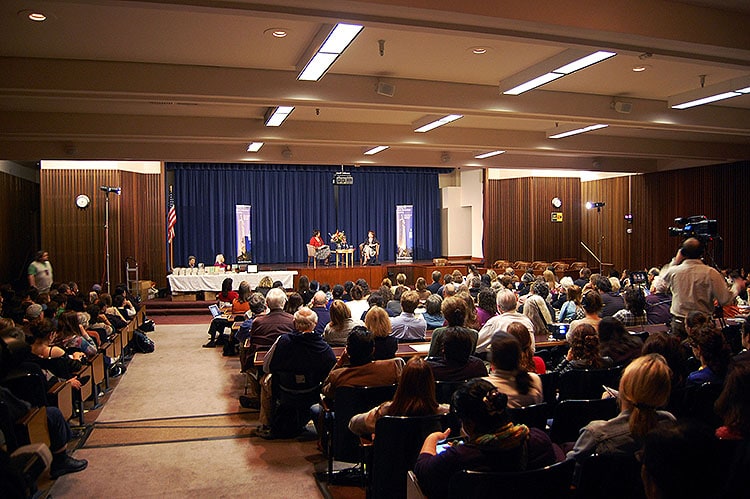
column 507, row 305
column 658, row 302
column 267, row 328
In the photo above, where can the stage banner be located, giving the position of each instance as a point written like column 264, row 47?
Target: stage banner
column 244, row 239
column 404, row 233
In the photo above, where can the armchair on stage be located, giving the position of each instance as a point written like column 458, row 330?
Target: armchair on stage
column 369, row 254
column 314, row 254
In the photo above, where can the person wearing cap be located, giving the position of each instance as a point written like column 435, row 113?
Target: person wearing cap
column 40, row 272
column 34, row 315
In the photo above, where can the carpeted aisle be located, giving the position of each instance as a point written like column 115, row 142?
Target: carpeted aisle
column 173, row 428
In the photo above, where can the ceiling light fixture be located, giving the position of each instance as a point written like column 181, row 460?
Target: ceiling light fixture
column 375, row 150
column 566, row 131
column 555, row 67
column 37, row 16
column 712, row 93
column 640, row 68
column 275, row 116
column 337, row 40
column 431, row 122
column 479, row 50
column 488, row 154
column 276, row 32
column 254, row 146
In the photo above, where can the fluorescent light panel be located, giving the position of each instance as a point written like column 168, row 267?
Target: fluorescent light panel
column 433, row 122
column 712, row 93
column 375, row 150
column 340, row 37
column 555, row 67
column 567, row 131
column 277, row 116
column 254, row 146
column 488, row 154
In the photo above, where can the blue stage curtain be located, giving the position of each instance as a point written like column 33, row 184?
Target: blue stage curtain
column 289, row 201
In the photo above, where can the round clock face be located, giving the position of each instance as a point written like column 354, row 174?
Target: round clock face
column 556, row 202
column 82, row 201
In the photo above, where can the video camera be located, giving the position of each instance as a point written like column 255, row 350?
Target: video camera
column 698, row 226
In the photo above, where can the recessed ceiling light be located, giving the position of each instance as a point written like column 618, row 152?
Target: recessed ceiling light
column 335, row 43
column 568, row 130
column 479, row 50
column 276, row 32
column 33, row 15
column 431, row 122
column 640, row 68
column 254, row 146
column 275, row 116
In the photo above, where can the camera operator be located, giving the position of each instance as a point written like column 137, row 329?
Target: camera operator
column 695, row 285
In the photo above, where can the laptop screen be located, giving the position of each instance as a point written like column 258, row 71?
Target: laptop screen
column 214, row 310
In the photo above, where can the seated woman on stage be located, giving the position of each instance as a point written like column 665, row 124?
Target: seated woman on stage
column 219, row 262
column 322, row 250
column 370, row 249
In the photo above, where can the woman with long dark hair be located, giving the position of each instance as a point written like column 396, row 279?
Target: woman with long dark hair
column 521, row 387
column 584, row 351
column 415, row 396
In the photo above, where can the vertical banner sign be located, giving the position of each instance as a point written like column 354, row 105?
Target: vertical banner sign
column 404, row 233
column 244, row 239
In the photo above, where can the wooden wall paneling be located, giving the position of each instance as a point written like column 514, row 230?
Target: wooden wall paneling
column 518, row 225
column 19, row 235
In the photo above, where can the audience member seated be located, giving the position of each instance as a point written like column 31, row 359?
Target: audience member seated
column 70, row 336
column 393, row 306
column 486, row 307
column 358, row 304
column 520, row 386
column 592, row 305
column 471, row 321
column 711, row 349
column 407, row 326
column 238, row 306
column 434, row 287
column 300, row 351
column 659, row 302
column 634, row 313
column 421, row 287
column 733, row 405
column 266, row 328
column 293, row 303
column 536, row 307
column 454, row 310
column 379, row 324
column 492, row 441
column 54, row 359
column 670, row 347
column 337, row 331
column 611, row 301
column 572, row 310
column 319, row 302
column 584, row 351
column 303, row 288
column 644, row 388
column 617, row 343
column 456, row 362
column 433, row 316
column 415, row 396
column 506, row 305
column 528, row 362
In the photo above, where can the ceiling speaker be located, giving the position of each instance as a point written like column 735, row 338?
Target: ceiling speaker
column 386, row 89
column 623, row 107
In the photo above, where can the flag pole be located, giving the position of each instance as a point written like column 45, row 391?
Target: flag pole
column 171, row 239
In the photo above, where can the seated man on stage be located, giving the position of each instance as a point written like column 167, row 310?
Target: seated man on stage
column 322, row 250
column 370, row 249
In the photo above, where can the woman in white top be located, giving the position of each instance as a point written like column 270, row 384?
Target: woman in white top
column 522, row 388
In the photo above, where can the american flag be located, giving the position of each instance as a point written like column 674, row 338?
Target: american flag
column 171, row 218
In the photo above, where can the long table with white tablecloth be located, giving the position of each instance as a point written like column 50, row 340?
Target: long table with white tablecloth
column 212, row 282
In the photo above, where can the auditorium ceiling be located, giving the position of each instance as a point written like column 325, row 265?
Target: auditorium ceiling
column 194, row 80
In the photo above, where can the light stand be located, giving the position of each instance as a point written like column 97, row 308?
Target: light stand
column 600, row 243
column 107, row 190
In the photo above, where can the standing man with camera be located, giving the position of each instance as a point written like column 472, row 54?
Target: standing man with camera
column 695, row 285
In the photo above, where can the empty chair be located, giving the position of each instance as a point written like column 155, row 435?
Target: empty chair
column 551, row 481
column 572, row 415
column 293, row 394
column 587, row 383
column 311, row 252
column 397, row 444
column 699, row 403
column 343, row 445
column 533, row 416
column 610, row 476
